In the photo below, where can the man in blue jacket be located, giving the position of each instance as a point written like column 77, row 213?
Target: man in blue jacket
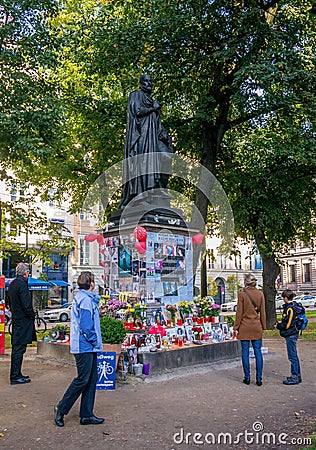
column 85, row 342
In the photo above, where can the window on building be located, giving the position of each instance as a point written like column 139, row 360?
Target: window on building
column 51, row 196
column 292, row 274
column 84, row 252
column 13, row 192
column 307, row 272
column 210, row 260
column 17, row 192
column 84, row 214
column 238, row 261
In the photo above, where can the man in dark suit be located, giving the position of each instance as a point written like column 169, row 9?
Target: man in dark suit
column 23, row 315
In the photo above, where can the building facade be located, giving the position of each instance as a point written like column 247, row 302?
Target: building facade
column 298, row 268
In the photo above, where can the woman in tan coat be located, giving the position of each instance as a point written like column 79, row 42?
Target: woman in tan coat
column 249, row 323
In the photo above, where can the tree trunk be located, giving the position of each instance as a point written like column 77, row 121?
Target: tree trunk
column 211, row 142
column 270, row 273
column 203, row 277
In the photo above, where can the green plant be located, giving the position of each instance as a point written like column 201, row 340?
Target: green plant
column 230, row 320
column 60, row 327
column 112, row 330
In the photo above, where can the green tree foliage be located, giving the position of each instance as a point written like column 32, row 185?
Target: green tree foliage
column 221, row 69
column 233, row 286
column 29, row 125
column 28, row 117
column 271, row 181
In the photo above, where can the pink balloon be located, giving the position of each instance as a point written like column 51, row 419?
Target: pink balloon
column 198, row 238
column 90, row 237
column 140, row 233
column 143, row 245
column 100, row 239
column 102, row 251
column 140, row 248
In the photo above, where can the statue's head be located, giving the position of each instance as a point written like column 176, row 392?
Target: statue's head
column 145, row 83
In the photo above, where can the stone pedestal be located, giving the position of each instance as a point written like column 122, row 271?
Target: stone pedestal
column 158, row 269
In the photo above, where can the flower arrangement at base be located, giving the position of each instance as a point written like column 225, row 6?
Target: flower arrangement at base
column 215, row 310
column 197, row 332
column 112, row 306
column 172, row 309
column 185, row 308
column 60, row 332
column 138, row 312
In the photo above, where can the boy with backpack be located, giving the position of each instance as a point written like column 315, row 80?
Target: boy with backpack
column 290, row 326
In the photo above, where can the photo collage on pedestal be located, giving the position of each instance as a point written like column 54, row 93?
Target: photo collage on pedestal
column 164, row 271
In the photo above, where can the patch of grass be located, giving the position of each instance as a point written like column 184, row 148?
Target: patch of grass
column 309, row 334
column 310, row 314
column 40, row 335
column 313, row 438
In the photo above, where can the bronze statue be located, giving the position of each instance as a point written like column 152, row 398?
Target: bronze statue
column 148, row 142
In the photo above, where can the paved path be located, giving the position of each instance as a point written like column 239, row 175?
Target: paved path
column 158, row 413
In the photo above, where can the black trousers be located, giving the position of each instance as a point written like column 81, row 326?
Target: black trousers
column 84, row 384
column 16, row 361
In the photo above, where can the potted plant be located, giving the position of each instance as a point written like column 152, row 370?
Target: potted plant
column 112, row 333
column 215, row 310
column 63, row 331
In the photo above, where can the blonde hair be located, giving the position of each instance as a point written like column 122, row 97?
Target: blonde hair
column 250, row 279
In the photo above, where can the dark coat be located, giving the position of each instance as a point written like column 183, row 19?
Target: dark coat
column 289, row 319
column 23, row 314
column 248, row 322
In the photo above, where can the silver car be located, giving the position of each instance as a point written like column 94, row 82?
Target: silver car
column 308, row 301
column 229, row 306
column 61, row 314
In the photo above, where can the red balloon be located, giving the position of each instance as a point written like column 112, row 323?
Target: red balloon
column 198, row 238
column 102, row 263
column 140, row 248
column 90, row 237
column 100, row 239
column 140, row 233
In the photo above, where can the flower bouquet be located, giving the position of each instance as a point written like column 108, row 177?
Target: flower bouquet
column 185, row 308
column 112, row 307
column 138, row 313
column 172, row 309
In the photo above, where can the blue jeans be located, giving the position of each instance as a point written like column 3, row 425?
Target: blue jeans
column 291, row 342
column 256, row 344
column 83, row 385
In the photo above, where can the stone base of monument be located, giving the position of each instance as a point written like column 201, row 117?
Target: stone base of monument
column 149, row 207
column 192, row 355
column 55, row 351
column 162, row 271
column 160, row 360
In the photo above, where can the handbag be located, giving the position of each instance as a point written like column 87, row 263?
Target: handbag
column 253, row 303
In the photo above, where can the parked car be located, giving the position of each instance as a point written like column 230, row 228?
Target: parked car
column 308, row 301
column 61, row 314
column 229, row 306
column 279, row 302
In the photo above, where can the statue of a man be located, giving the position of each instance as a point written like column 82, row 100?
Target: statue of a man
column 146, row 140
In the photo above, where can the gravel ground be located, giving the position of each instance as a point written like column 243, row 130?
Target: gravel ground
column 168, row 410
